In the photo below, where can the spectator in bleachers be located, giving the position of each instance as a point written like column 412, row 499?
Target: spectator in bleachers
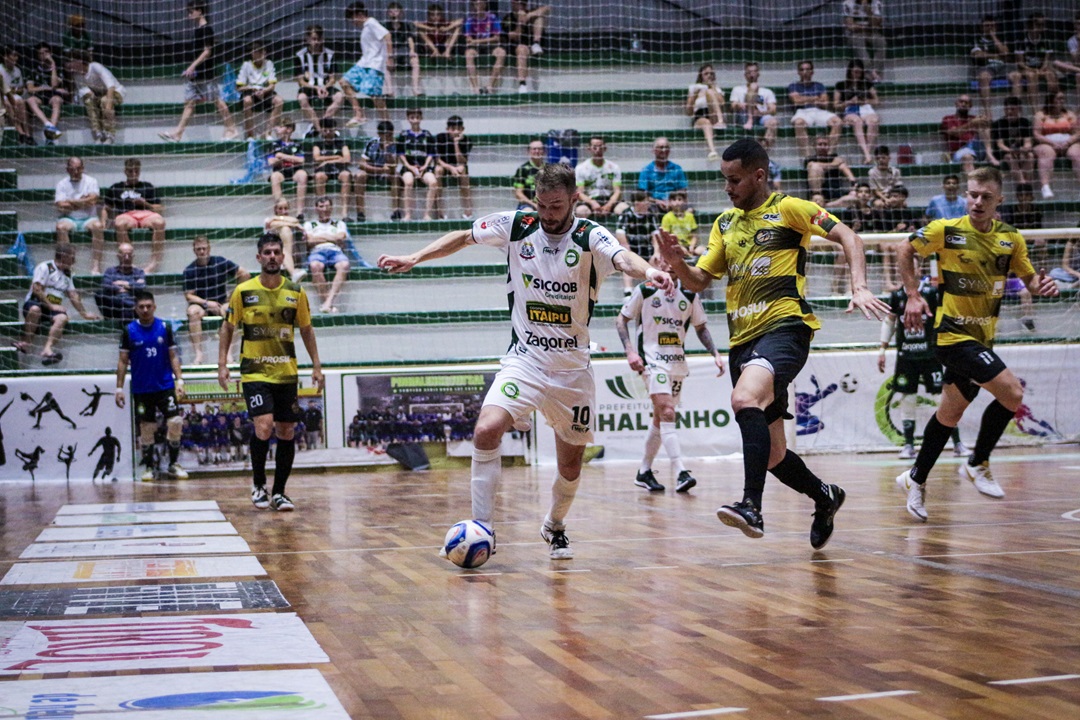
column 523, row 29
column 854, row 98
column 483, row 31
column 753, row 104
column 863, row 24
column 290, row 228
column 811, row 102
column 286, row 160
column 661, row 176
column 116, row 296
column 452, row 150
column 1013, row 140
column 201, row 75
column 101, row 93
column 1057, row 134
column 832, row 184
column 326, row 242
column 1035, row 60
column 967, row 136
column 438, row 34
column 1069, row 272
column 896, row 217
column 405, row 46
column 76, row 202
column 949, row 204
column 45, row 302
column 416, row 150
column 368, row 76
column 525, row 176
column 637, row 230
column 77, row 37
column 680, row 222
column 989, row 56
column 332, row 161
column 884, row 176
column 599, row 182
column 316, row 76
column 206, row 289
column 45, row 87
column 705, row 104
column 1072, row 49
column 133, row 203
column 256, row 82
column 379, row 161
column 1024, row 214
column 14, row 87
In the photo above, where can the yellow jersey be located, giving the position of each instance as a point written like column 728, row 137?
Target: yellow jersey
column 763, row 253
column 267, row 318
column 974, row 267
column 681, row 227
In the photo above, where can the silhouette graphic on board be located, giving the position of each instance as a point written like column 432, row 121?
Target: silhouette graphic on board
column 110, row 453
column 66, row 455
column 48, row 404
column 95, row 400
column 30, row 459
column 3, row 452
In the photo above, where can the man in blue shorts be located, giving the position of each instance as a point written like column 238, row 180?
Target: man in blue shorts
column 368, row 75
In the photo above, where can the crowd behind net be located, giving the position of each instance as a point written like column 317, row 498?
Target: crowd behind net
column 627, row 71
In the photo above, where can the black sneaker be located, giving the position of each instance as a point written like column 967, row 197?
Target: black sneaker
column 745, row 516
column 685, row 482
column 648, row 481
column 822, row 527
column 361, row 217
column 396, row 216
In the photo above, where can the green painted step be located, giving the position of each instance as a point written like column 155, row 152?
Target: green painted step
column 9, row 310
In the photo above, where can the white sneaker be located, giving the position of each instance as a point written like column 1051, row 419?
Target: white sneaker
column 983, row 480
column 259, row 498
column 907, row 452
column 298, row 274
column 178, row 472
column 523, row 88
column 1047, row 193
column 148, row 475
column 535, row 49
column 558, row 543
column 960, row 450
column 916, row 495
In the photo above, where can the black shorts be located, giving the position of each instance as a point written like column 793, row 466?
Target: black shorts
column 263, row 104
column 147, row 405
column 701, row 112
column 786, row 348
column 318, row 102
column 910, row 373
column 969, row 364
column 332, row 171
column 47, row 315
column 287, row 171
column 264, row 398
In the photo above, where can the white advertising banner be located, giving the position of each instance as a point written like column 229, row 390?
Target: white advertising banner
column 63, row 428
column 214, row 545
column 295, row 694
column 155, row 642
column 40, row 573
column 114, row 532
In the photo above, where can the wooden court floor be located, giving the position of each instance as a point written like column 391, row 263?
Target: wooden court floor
column 664, row 612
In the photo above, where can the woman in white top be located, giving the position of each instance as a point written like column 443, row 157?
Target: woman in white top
column 705, row 104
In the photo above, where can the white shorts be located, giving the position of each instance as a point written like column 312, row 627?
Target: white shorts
column 814, row 116
column 662, row 383
column 565, row 398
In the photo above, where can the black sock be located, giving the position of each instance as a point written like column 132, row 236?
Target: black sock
column 956, row 436
column 995, row 419
column 933, row 442
column 286, row 451
column 909, row 432
column 259, row 449
column 792, row 471
column 174, row 451
column 756, row 443
column 148, row 457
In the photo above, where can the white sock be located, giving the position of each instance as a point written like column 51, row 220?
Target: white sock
column 562, row 496
column 907, row 407
column 486, row 471
column 652, row 446
column 671, row 445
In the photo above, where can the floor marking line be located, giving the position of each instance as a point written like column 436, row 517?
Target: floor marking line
column 695, row 713
column 1003, row 552
column 867, row 696
column 657, row 567
column 1045, row 678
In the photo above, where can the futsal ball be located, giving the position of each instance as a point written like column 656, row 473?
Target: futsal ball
column 469, row 544
column 849, row 383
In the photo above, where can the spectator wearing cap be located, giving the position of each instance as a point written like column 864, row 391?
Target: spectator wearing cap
column 452, row 150
column 378, row 162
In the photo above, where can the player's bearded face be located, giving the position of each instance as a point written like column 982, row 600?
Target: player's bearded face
column 270, row 258
column 556, row 211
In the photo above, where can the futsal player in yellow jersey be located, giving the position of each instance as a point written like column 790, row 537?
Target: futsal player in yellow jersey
column 267, row 308
column 976, row 253
column 761, row 246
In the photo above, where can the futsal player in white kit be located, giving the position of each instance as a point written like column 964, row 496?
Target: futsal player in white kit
column 556, row 263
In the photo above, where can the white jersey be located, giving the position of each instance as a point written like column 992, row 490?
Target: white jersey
column 55, row 282
column 599, row 183
column 98, row 80
column 372, row 47
column 662, row 321
column 765, row 97
column 316, row 229
column 552, row 284
column 87, row 186
column 256, row 77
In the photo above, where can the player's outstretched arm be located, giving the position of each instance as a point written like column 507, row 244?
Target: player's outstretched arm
column 632, row 264
column 448, row 244
column 693, row 278
column 861, row 297
column 1041, row 284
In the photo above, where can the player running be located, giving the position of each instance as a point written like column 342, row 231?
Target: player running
column 556, row 263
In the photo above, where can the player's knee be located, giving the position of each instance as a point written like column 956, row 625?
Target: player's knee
column 741, row 400
column 146, row 433
column 285, row 431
